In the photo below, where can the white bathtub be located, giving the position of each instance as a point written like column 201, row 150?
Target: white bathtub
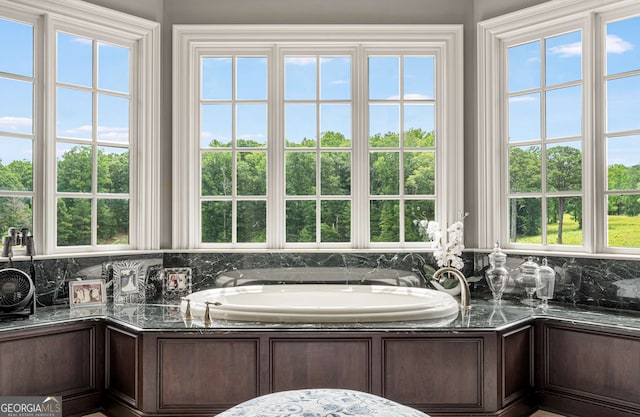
column 322, row 303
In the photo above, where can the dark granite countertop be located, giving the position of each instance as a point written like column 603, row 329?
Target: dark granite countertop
column 483, row 316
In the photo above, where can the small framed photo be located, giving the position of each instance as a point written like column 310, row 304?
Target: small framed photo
column 87, row 293
column 176, row 282
column 128, row 282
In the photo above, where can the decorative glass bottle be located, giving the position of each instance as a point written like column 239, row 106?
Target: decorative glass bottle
column 546, row 277
column 527, row 279
column 497, row 276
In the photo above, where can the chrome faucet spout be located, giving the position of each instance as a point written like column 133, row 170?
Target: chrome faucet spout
column 465, row 294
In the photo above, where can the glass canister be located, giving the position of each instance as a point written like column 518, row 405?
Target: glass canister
column 497, row 276
column 546, row 283
column 527, row 279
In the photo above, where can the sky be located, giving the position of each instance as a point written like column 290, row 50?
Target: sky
column 313, row 106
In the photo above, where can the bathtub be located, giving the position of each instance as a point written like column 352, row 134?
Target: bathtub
column 312, row 303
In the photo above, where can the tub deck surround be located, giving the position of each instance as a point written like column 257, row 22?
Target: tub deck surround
column 483, row 315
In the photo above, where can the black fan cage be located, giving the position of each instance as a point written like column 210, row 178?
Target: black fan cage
column 16, row 289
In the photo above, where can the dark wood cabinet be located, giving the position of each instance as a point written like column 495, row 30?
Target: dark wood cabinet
column 588, row 370
column 62, row 360
column 443, row 374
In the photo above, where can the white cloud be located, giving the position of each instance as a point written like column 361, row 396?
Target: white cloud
column 567, row 50
column 83, row 41
column 115, row 134
column 521, row 99
column 339, row 82
column 617, row 45
column 10, row 123
column 301, row 60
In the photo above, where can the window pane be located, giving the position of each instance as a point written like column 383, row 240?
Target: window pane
column 623, row 221
column 216, row 173
column 16, row 48
column 415, row 212
column 113, row 68
column 113, row 222
column 216, row 78
column 564, row 112
column 113, row 118
column 564, row 166
column 300, row 125
column 419, row 125
column 301, row 221
column 335, row 173
column 16, row 106
column 384, row 221
column 251, row 81
column 74, row 114
column 564, row 221
column 215, row 125
column 75, row 60
column 74, row 222
column 384, row 125
column 251, row 125
column 525, row 167
column 252, row 173
column 300, row 78
column 336, row 221
column 335, row 125
column 301, row 173
column 16, row 165
column 623, row 39
column 564, row 58
column 524, row 66
column 524, row 117
column 252, row 221
column 384, row 78
column 113, row 170
column 623, row 101
column 623, row 162
column 75, row 164
column 419, row 173
column 16, row 212
column 385, row 170
column 216, row 222
column 418, row 78
column 525, row 220
column 335, row 78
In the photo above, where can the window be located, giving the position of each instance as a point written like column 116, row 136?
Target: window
column 558, row 154
column 79, row 163
column 307, row 142
column 17, row 132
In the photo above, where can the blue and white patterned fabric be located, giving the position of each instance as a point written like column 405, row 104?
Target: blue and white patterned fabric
column 321, row 403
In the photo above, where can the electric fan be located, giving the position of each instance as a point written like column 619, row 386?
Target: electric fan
column 16, row 294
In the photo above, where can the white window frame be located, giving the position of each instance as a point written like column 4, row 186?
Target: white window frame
column 105, row 24
column 190, row 41
column 494, row 37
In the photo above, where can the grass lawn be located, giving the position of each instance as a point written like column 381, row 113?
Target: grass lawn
column 624, row 231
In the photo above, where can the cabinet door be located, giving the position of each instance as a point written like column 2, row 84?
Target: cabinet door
column 321, row 363
column 206, row 374
column 434, row 374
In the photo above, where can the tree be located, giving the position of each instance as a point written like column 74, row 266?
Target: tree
column 524, row 176
column 564, row 173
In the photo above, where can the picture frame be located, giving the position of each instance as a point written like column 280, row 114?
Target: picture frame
column 128, row 282
column 87, row 293
column 176, row 282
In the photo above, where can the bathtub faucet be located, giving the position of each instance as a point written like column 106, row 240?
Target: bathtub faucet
column 465, row 294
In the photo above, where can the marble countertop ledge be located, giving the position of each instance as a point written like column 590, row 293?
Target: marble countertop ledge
column 482, row 316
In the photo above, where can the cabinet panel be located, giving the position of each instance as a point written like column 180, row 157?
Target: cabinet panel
column 122, row 365
column 593, row 364
column 441, row 373
column 61, row 362
column 517, row 363
column 206, row 373
column 321, row 363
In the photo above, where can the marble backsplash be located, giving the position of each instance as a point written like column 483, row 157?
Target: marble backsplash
column 593, row 282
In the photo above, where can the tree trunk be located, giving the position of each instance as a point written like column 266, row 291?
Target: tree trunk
column 560, row 218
